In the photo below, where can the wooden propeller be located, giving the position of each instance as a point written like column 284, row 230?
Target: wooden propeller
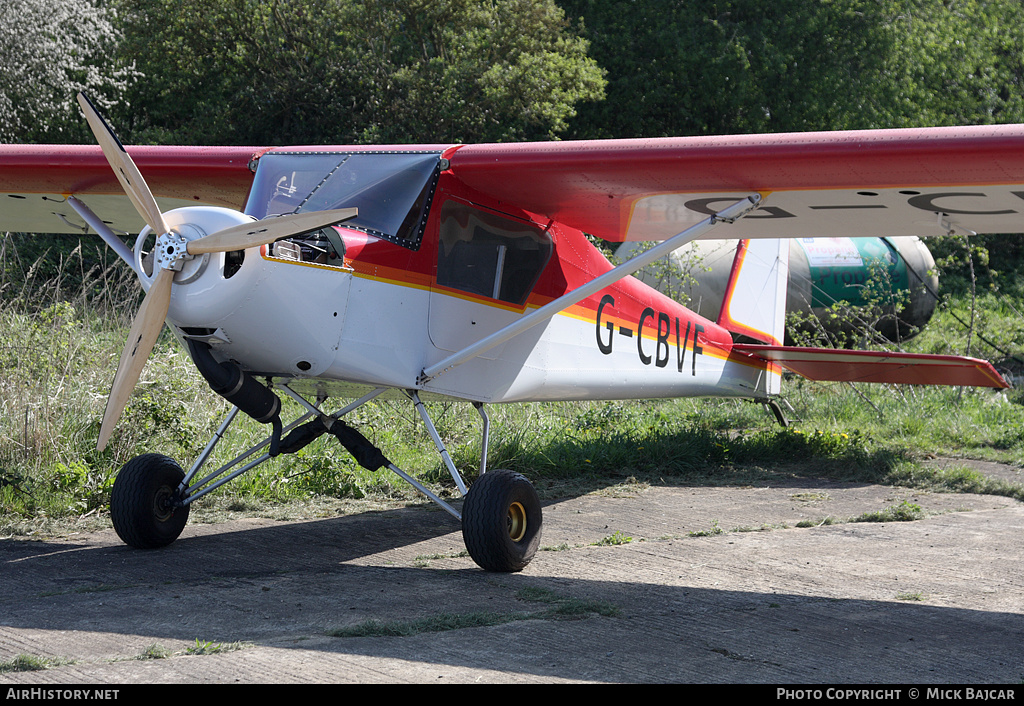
column 150, row 318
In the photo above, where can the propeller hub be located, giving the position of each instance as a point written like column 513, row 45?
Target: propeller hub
column 170, row 252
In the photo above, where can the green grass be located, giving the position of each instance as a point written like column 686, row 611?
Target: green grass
column 714, row 530
column 206, row 647
column 155, row 651
column 60, row 338
column 904, row 512
column 30, row 663
column 556, row 607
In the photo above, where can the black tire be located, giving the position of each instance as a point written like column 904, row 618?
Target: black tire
column 144, row 503
column 501, row 521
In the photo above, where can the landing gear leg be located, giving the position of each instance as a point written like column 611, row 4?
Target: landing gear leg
column 774, row 407
column 501, row 517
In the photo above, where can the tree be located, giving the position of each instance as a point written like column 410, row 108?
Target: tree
column 465, row 70
column 52, row 50
column 337, row 71
column 739, row 66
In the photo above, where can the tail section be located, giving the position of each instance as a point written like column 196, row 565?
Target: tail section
column 755, row 307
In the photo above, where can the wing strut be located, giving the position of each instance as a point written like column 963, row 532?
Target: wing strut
column 727, row 215
column 91, row 219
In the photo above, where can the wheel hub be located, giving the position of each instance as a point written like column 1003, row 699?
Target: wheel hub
column 516, row 521
column 163, row 504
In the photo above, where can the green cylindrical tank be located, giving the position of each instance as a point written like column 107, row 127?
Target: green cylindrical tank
column 838, row 285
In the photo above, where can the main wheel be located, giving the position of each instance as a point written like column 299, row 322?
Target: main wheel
column 501, row 521
column 144, row 504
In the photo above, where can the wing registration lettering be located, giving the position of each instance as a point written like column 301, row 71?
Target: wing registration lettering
column 843, row 214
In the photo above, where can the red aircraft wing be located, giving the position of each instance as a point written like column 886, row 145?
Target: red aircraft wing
column 878, row 183
column 35, row 180
column 883, row 182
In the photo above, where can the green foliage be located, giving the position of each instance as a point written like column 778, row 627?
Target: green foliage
column 614, row 539
column 88, row 488
column 155, row 651
column 387, row 71
column 738, row 66
column 27, row 663
column 342, row 71
column 41, row 271
column 966, row 264
column 714, row 530
column 208, row 647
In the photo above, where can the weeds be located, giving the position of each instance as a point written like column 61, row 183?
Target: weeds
column 614, row 539
column 30, row 663
column 199, row 647
column 904, row 512
column 823, row 522
column 715, row 529
column 155, row 651
column 202, row 647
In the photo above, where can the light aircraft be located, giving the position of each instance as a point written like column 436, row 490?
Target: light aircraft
column 465, row 271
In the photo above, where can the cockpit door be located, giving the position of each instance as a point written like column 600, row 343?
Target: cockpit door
column 487, row 266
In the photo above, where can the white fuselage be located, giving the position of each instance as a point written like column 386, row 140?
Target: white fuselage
column 341, row 331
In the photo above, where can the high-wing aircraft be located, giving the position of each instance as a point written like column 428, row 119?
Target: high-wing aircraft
column 465, row 271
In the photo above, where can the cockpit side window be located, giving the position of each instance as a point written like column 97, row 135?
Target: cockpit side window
column 490, row 255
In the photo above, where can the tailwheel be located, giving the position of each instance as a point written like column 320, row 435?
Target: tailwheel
column 501, row 521
column 145, row 506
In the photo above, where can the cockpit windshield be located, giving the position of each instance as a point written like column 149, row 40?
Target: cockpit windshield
column 390, row 189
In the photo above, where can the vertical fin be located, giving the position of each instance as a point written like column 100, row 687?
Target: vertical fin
column 755, row 297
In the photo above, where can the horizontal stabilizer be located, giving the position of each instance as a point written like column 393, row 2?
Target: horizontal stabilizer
column 829, row 364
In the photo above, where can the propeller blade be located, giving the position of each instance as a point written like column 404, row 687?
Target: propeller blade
column 145, row 329
column 127, row 173
column 249, row 235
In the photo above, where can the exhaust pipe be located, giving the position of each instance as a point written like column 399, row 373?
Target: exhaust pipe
column 240, row 389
